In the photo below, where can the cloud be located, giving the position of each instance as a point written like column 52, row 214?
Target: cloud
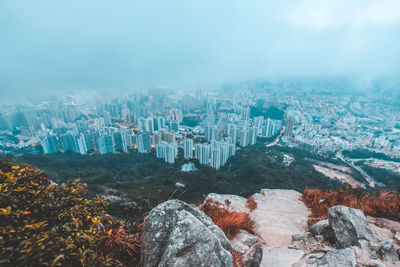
column 46, row 46
column 341, row 13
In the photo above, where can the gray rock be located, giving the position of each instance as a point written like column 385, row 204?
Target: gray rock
column 253, row 257
column 302, row 236
column 243, row 241
column 178, row 234
column 297, row 237
column 348, row 226
column 397, row 236
column 374, row 263
column 339, row 257
column 322, row 228
column 281, row 256
column 319, row 238
column 388, row 252
column 368, row 249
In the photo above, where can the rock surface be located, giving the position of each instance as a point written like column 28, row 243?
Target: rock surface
column 346, row 238
column 388, row 252
column 254, row 256
column 348, row 226
column 279, row 215
column 338, row 257
column 243, row 241
column 281, row 256
column 322, row 228
column 178, row 234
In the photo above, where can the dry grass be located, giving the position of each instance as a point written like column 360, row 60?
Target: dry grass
column 383, row 204
column 251, row 204
column 230, row 222
column 122, row 246
column 237, row 259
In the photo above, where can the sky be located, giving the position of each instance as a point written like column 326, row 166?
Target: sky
column 48, row 46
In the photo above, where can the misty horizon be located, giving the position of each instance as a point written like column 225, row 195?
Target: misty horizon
column 49, row 47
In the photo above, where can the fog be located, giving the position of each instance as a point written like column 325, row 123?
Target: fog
column 49, row 46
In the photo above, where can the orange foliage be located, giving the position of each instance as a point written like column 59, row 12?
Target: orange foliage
column 383, row 204
column 251, row 204
column 230, row 222
column 122, row 246
column 237, row 259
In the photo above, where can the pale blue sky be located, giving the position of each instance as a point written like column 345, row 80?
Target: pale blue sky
column 48, row 45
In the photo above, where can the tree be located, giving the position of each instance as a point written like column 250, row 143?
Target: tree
column 44, row 225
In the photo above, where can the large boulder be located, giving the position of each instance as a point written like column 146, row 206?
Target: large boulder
column 339, row 257
column 179, row 234
column 348, row 226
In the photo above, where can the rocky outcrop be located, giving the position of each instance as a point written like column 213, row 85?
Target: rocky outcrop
column 348, row 226
column 178, row 234
column 338, row 257
column 279, row 215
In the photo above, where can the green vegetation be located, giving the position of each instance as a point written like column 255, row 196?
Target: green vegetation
column 390, row 179
column 144, row 179
column 269, row 112
column 42, row 224
column 191, row 121
column 366, row 154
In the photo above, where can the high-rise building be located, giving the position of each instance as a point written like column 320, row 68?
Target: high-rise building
column 159, row 123
column 233, row 133
column 244, row 136
column 89, row 141
column 167, row 151
column 174, row 125
column 69, row 142
column 121, row 141
column 289, row 127
column 211, row 132
column 156, row 137
column 82, row 144
column 50, row 144
column 149, row 125
column 161, row 149
column 197, row 151
column 169, row 137
column 188, row 148
column 215, row 157
column 143, row 142
column 267, row 128
column 202, row 153
column 258, row 122
column 106, row 144
column 253, row 135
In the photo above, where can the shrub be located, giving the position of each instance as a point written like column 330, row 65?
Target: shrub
column 380, row 204
column 229, row 221
column 251, row 204
column 44, row 225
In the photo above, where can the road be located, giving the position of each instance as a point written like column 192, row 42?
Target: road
column 370, row 180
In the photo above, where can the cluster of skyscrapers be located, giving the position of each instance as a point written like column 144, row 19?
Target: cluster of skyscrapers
column 215, row 154
column 140, row 123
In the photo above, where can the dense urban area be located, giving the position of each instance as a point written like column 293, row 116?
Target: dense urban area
column 208, row 127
